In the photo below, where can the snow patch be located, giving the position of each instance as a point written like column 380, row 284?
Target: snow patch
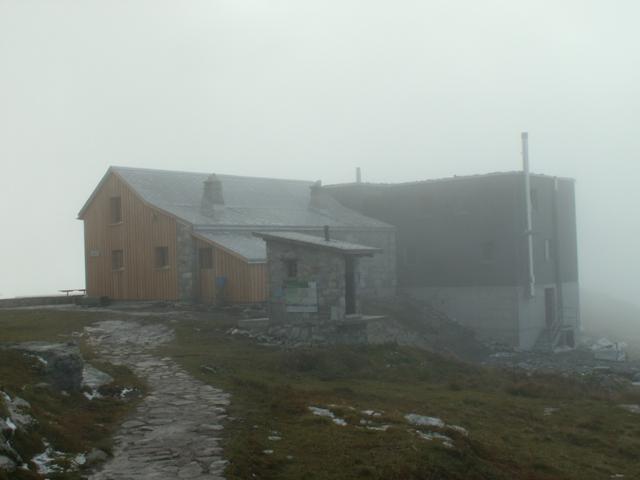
column 424, row 421
column 125, row 391
column 45, row 460
column 92, row 395
column 12, row 426
column 323, row 412
column 430, row 436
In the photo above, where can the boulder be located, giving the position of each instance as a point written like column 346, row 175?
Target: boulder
column 61, row 362
column 7, row 465
column 5, row 429
column 95, row 456
column 7, row 451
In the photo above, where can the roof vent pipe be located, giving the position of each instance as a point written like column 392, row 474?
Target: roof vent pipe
column 529, row 221
column 358, row 175
column 327, row 238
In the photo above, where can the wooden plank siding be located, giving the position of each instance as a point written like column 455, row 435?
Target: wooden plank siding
column 141, row 230
column 246, row 282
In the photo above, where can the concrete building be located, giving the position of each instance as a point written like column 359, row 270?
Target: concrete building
column 462, row 245
column 170, row 235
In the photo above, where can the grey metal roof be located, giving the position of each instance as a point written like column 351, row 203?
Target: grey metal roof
column 248, row 201
column 246, row 245
column 319, row 242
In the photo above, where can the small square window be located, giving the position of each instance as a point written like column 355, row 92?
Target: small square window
column 116, row 209
column 162, row 257
column 117, row 260
column 206, row 258
column 291, row 267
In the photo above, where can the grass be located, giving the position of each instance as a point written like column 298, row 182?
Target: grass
column 589, row 436
column 70, row 422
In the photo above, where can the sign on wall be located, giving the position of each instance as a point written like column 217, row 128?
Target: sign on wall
column 301, row 296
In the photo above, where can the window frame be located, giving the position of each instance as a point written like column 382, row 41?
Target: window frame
column 117, row 266
column 161, row 257
column 115, row 210
column 291, row 267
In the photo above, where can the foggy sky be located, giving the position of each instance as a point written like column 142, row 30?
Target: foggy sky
column 406, row 90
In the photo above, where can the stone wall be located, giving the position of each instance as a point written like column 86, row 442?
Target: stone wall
column 36, row 301
column 316, row 334
column 324, row 267
column 186, row 263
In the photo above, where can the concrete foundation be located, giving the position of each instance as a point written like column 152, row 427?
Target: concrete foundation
column 502, row 313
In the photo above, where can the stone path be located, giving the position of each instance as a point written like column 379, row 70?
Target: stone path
column 175, row 431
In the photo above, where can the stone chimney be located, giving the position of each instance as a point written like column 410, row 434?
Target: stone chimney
column 318, row 198
column 211, row 194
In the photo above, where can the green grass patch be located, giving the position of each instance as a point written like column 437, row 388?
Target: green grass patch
column 68, row 421
column 589, row 436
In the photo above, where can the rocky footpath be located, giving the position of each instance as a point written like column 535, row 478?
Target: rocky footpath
column 175, row 431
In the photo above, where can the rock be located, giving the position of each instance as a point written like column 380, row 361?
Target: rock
column 190, row 471
column 61, row 362
column 5, row 429
column 95, row 456
column 94, row 378
column 6, row 464
column 6, row 450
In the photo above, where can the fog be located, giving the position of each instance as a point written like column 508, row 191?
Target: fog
column 406, row 90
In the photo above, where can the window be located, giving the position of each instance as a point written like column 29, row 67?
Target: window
column 117, row 260
column 116, row 210
column 206, row 258
column 162, row 257
column 291, row 267
column 488, row 251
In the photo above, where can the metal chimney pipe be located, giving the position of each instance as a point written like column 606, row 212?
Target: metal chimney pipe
column 529, row 219
column 326, row 233
column 358, row 175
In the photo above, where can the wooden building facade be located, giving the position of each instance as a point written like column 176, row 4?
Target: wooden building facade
column 131, row 252
column 174, row 236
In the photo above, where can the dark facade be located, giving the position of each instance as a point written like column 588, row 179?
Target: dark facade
column 461, row 242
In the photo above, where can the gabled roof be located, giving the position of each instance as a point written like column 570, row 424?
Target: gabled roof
column 245, row 245
column 248, row 201
column 318, row 242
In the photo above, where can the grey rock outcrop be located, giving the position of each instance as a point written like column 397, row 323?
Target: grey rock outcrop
column 61, row 362
column 96, row 456
column 7, row 465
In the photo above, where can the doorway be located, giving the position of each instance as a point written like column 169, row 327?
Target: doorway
column 350, row 286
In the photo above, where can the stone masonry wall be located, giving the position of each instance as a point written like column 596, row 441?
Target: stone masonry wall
column 326, row 268
column 186, row 263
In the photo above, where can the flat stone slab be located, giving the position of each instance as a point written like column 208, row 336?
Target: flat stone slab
column 175, row 431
